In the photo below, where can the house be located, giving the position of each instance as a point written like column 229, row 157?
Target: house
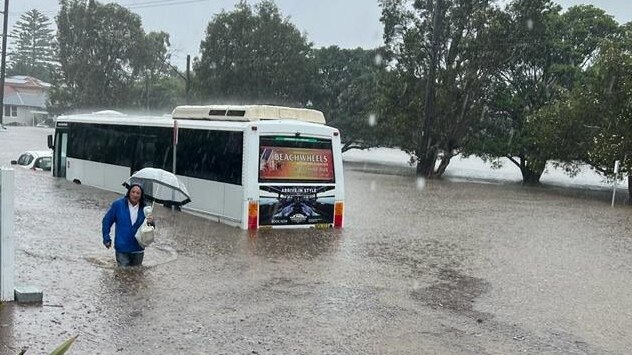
column 25, row 101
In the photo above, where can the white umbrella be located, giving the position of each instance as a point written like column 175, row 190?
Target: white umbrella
column 160, row 186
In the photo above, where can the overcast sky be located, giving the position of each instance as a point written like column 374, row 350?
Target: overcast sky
column 345, row 23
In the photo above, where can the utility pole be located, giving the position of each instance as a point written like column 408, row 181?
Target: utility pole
column 147, row 91
column 188, row 79
column 4, row 58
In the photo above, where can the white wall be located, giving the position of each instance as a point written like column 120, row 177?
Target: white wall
column 24, row 117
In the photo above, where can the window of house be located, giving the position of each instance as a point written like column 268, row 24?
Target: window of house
column 10, row 110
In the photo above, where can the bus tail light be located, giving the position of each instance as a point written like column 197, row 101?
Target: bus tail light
column 339, row 209
column 253, row 214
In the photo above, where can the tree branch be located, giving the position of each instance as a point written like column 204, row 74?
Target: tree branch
column 513, row 160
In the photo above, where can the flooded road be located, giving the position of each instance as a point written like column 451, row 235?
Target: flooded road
column 434, row 267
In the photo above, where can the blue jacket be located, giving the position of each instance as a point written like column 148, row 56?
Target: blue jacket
column 125, row 232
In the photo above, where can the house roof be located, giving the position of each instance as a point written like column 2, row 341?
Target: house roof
column 22, row 90
column 26, row 99
column 26, row 81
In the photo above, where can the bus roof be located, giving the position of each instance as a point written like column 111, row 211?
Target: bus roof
column 117, row 118
column 113, row 117
column 247, row 113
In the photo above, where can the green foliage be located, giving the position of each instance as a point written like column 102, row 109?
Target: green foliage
column 400, row 104
column 561, row 131
column 583, row 29
column 447, row 104
column 104, row 53
column 608, row 95
column 254, row 56
column 156, row 55
column 347, row 91
column 32, row 51
column 160, row 87
column 165, row 93
column 546, row 53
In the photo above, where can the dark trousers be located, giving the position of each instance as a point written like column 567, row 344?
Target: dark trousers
column 129, row 259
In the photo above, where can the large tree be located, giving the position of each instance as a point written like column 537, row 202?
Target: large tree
column 607, row 107
column 32, row 52
column 102, row 51
column 545, row 55
column 592, row 123
column 442, row 58
column 253, row 55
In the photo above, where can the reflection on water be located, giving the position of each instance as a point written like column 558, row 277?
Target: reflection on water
column 293, row 244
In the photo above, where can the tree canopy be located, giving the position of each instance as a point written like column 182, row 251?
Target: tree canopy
column 604, row 108
column 253, row 54
column 103, row 50
column 32, row 51
column 440, row 51
column 347, row 91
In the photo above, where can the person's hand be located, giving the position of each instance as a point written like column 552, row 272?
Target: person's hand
column 108, row 245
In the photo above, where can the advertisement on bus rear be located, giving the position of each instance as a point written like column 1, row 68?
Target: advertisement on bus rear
column 295, row 205
column 295, row 164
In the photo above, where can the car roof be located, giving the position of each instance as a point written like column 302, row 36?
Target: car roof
column 39, row 153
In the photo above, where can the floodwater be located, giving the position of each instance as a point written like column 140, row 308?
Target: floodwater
column 439, row 267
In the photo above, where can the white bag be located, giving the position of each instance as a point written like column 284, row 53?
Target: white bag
column 145, row 234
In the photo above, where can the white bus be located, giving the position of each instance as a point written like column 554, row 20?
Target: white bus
column 250, row 166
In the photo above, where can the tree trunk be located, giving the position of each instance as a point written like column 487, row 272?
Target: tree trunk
column 531, row 170
column 427, row 155
column 530, row 177
column 445, row 161
column 426, row 164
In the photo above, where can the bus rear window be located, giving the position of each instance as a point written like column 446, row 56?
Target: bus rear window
column 295, row 159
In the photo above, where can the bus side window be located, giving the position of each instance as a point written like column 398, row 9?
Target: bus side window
column 211, row 155
column 149, row 155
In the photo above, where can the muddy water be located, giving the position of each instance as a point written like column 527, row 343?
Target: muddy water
column 442, row 267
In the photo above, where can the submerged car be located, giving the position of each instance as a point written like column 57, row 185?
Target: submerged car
column 35, row 160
